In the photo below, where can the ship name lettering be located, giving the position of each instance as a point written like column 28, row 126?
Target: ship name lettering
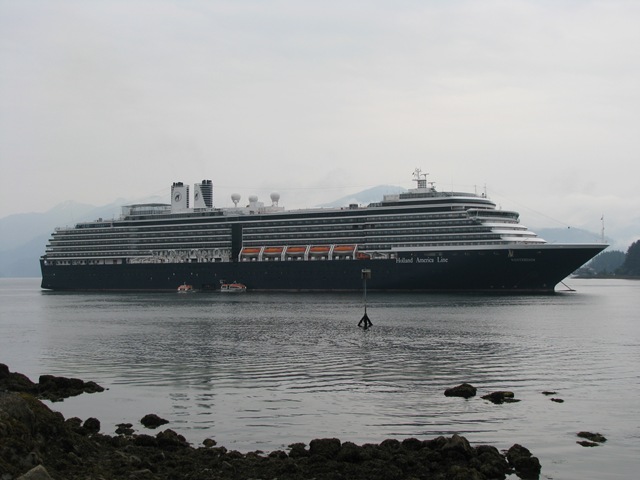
column 425, row 260
column 442, row 260
column 404, row 260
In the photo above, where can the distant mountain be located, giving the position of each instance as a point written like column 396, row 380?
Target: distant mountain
column 364, row 197
column 568, row 235
column 23, row 261
column 23, row 237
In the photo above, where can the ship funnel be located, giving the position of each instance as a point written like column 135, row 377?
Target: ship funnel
column 179, row 197
column 203, row 194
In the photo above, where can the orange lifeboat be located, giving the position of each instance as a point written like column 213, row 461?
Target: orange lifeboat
column 273, row 250
column 319, row 250
column 250, row 251
column 296, row 250
column 344, row 248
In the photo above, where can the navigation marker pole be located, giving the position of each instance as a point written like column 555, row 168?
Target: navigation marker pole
column 364, row 321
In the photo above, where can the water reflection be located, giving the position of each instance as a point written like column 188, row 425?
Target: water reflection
column 263, row 371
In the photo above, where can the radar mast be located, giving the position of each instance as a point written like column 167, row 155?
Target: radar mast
column 420, row 178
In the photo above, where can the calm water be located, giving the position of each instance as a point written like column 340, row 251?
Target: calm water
column 261, row 371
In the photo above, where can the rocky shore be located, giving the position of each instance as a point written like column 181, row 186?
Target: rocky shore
column 37, row 443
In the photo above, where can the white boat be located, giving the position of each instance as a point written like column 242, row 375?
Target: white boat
column 234, row 287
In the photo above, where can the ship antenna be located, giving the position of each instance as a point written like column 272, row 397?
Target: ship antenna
column 420, row 177
column 602, row 231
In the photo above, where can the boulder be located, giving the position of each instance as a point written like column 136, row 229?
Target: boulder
column 458, row 446
column 526, row 465
column 593, row 437
column 57, row 389
column 325, row 447
column 464, row 390
column 48, row 387
column 170, row 440
column 36, row 473
column 500, row 397
column 153, row 421
column 91, row 425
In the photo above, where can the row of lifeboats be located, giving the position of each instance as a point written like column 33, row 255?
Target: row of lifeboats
column 301, row 252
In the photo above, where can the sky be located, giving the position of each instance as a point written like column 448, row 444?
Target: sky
column 538, row 102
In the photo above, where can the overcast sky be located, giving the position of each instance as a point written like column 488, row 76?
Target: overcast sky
column 537, row 100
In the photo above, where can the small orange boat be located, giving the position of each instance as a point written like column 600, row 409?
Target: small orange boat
column 234, row 287
column 344, row 248
column 319, row 249
column 273, row 250
column 184, row 288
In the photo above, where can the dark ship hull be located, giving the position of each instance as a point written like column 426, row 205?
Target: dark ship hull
column 523, row 269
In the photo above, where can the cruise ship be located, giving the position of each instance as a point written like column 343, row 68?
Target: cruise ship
column 423, row 240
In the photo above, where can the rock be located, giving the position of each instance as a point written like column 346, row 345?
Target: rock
column 500, row 397
column 91, row 425
column 153, row 421
column 586, row 443
column 145, row 440
column 208, row 442
column 170, row 440
column 124, row 429
column 48, row 387
column 298, row 450
column 15, row 382
column 352, row 453
column 464, row 390
column 526, row 465
column 58, row 388
column 492, row 463
column 36, row 473
column 325, row 447
column 412, row 444
column 557, row 400
column 459, row 445
column 548, row 392
column 391, row 444
column 593, row 437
